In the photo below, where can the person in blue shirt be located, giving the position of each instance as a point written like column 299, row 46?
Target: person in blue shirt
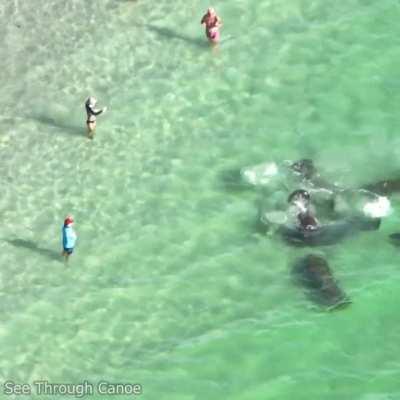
column 68, row 237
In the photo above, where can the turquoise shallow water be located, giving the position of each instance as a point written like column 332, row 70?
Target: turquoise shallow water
column 172, row 286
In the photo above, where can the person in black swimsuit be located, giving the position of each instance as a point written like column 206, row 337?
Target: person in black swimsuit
column 92, row 112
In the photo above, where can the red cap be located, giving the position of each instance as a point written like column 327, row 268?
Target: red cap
column 69, row 220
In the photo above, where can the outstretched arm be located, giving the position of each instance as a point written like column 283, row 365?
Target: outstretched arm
column 97, row 112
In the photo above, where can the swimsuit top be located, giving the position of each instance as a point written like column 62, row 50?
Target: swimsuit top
column 91, row 112
column 211, row 22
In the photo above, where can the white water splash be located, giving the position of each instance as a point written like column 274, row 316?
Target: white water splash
column 377, row 208
column 260, row 174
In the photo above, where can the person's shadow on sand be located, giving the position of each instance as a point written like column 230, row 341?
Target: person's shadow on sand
column 171, row 34
column 29, row 244
column 65, row 128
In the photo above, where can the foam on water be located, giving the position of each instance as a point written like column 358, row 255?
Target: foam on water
column 172, row 285
column 260, row 174
column 378, row 208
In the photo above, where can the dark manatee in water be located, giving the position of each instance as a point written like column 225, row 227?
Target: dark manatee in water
column 384, row 187
column 307, row 170
column 304, row 167
column 328, row 234
column 313, row 273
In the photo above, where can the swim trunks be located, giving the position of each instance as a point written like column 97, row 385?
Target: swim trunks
column 213, row 34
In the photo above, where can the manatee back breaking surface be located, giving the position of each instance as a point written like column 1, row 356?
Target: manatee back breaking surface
column 328, row 234
column 312, row 272
column 385, row 187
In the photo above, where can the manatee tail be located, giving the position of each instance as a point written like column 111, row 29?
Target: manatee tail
column 367, row 224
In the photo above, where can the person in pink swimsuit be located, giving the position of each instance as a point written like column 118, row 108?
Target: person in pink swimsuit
column 212, row 23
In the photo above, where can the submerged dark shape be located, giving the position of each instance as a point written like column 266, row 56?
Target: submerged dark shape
column 305, row 167
column 327, row 234
column 395, row 238
column 385, row 187
column 231, row 180
column 313, row 273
